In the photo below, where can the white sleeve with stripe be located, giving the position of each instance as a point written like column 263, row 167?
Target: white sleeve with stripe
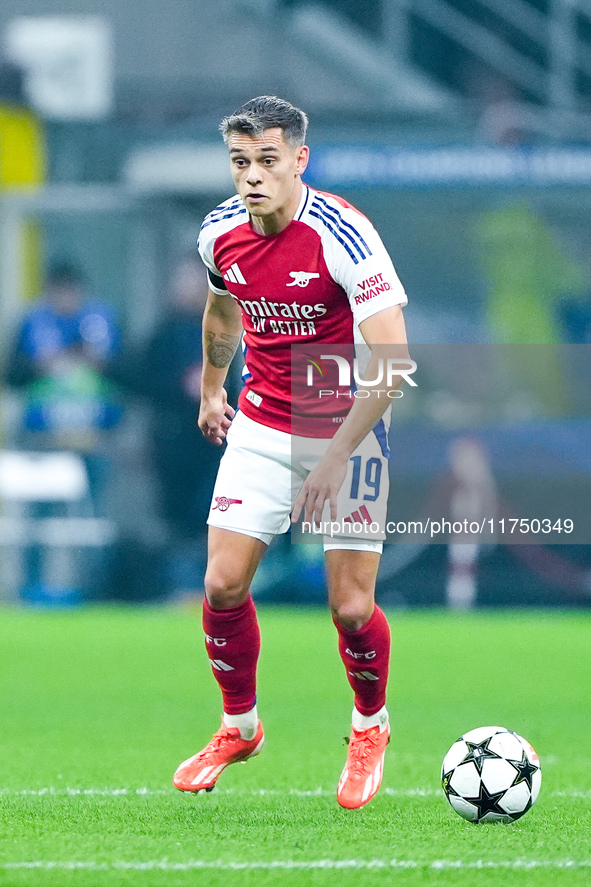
column 358, row 260
column 207, row 237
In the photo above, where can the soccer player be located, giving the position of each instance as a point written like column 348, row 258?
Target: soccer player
column 288, row 265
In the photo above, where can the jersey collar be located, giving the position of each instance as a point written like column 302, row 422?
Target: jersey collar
column 303, row 202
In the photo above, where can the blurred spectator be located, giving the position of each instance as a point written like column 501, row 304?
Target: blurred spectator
column 529, row 272
column 12, row 83
column 170, row 374
column 575, row 316
column 58, row 361
column 167, row 372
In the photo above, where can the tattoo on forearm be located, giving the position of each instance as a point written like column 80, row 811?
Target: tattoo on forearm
column 220, row 353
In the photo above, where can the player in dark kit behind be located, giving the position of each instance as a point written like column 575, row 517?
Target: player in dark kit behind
column 290, row 265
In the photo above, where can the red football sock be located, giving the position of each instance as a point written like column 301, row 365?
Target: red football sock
column 233, row 643
column 366, row 657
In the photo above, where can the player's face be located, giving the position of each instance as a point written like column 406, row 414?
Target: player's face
column 266, row 171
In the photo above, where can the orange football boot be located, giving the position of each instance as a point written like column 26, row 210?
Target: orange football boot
column 225, row 747
column 362, row 775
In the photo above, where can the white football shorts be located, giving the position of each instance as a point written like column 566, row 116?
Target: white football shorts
column 261, row 474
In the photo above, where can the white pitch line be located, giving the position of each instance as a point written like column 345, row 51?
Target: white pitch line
column 58, row 791
column 66, row 791
column 302, row 865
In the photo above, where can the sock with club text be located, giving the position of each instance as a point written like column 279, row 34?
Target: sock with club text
column 366, row 657
column 233, row 643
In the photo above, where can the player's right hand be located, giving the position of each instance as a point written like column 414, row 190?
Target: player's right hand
column 215, row 417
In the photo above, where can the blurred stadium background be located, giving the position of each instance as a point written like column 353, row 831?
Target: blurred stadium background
column 461, row 127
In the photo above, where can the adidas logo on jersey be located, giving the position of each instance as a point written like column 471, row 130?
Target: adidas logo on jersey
column 234, row 274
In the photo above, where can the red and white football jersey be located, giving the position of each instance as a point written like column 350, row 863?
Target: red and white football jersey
column 311, row 284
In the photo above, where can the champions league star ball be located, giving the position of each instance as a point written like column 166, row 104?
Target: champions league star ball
column 491, row 775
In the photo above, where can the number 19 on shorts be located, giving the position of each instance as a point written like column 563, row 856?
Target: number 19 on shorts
column 366, row 478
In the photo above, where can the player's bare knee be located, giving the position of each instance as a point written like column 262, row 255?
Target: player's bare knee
column 352, row 615
column 223, row 592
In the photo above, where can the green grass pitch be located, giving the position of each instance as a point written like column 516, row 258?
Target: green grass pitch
column 98, row 707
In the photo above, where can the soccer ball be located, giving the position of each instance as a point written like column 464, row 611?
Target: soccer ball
column 491, row 775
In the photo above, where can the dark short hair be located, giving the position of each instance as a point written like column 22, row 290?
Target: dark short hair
column 267, row 112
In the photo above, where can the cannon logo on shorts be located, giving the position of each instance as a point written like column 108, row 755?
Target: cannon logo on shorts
column 223, row 503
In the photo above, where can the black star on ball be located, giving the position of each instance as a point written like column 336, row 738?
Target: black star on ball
column 525, row 770
column 488, row 803
column 479, row 753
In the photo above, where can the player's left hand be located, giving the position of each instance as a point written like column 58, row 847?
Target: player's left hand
column 323, row 482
